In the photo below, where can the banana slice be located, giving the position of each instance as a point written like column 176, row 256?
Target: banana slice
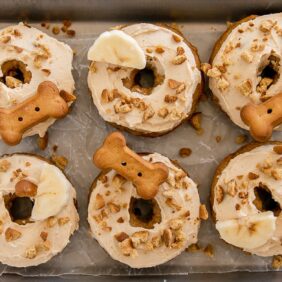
column 52, row 193
column 117, row 47
column 248, row 232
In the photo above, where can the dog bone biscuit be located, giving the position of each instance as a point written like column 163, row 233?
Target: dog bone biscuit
column 46, row 103
column 146, row 176
column 263, row 118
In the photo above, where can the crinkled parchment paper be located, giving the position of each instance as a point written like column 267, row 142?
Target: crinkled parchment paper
column 82, row 131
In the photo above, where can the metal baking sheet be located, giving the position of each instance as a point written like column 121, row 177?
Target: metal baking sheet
column 80, row 133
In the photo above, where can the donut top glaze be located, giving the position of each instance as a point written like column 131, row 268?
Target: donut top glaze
column 42, row 57
column 168, row 102
column 235, row 190
column 247, row 66
column 138, row 246
column 36, row 241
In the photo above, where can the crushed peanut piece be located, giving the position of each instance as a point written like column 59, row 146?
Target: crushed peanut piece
column 196, row 120
column 42, row 142
column 63, row 220
column 185, row 152
column 214, row 72
column 179, row 59
column 31, row 253
column 203, row 212
column 12, row 234
column 245, row 87
column 159, row 50
column 99, row 202
column 247, row 57
column 163, row 112
column 176, row 38
column 252, row 176
column 170, row 98
column 231, row 188
column 205, row 67
column 219, row 194
column 167, row 237
column 60, row 161
column 121, row 236
column 149, row 113
column 222, row 84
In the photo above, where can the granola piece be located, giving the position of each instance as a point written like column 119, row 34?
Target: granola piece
column 163, row 112
column 139, row 104
column 256, row 47
column 4, row 165
column 222, row 84
column 167, row 237
column 214, row 72
column 176, row 115
column 264, row 85
column 247, row 57
column 205, row 67
column 107, row 96
column 31, row 253
column 127, row 248
column 156, row 241
column 231, row 188
column 121, row 236
column 149, row 113
column 176, row 224
column 99, row 202
column 122, row 107
column 203, row 212
column 60, row 161
column 173, row 84
column 139, row 237
column 185, row 152
column 179, row 59
column 245, row 87
column 63, row 220
column 12, row 82
column 42, row 142
column 219, row 194
column 118, row 180
column 12, row 234
column 170, row 99
column 266, row 26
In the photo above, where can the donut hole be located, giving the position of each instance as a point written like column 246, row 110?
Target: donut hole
column 19, row 208
column 15, row 73
column 264, row 200
column 144, row 213
column 145, row 80
column 268, row 72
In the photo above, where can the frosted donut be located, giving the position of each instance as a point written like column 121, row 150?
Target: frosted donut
column 27, row 58
column 144, row 233
column 37, row 210
column 154, row 100
column 247, row 198
column 246, row 64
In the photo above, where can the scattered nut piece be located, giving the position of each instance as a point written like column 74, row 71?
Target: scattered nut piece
column 205, row 67
column 240, row 139
column 214, row 72
column 121, row 236
column 264, row 84
column 127, row 247
column 43, row 235
column 193, row 248
column 277, row 262
column 222, row 84
column 51, row 221
column 170, row 99
column 246, row 87
column 63, row 220
column 196, row 120
column 31, row 253
column 179, row 59
column 149, row 113
column 107, row 96
column 99, row 202
column 255, row 47
column 167, row 237
column 12, row 82
column 231, row 188
column 12, row 234
column 176, row 38
column 60, row 161
column 42, row 142
column 163, row 112
column 185, row 152
column 114, row 208
column 180, row 50
column 173, row 84
column 208, row 250
column 247, row 57
column 266, row 25
column 252, row 176
column 4, row 165
column 203, row 212
column 56, row 30
column 219, row 194
column 159, row 50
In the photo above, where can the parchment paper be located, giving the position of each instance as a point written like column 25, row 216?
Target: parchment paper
column 81, row 133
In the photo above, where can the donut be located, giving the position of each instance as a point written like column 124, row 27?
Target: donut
column 156, row 99
column 29, row 57
column 37, row 210
column 144, row 233
column 245, row 64
column 246, row 199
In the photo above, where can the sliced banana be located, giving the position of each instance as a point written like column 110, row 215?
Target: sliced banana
column 248, row 232
column 52, row 193
column 117, row 47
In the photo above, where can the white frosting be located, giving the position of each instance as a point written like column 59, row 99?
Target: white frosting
column 239, row 70
column 187, row 199
column 13, row 253
column 241, row 165
column 149, row 37
column 59, row 63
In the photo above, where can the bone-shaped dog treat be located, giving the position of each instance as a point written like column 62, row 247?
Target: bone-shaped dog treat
column 146, row 176
column 263, row 118
column 46, row 103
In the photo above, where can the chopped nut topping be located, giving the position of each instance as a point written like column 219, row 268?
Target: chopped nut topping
column 237, row 207
column 205, row 67
column 63, row 220
column 121, row 107
column 139, row 237
column 43, row 235
column 159, row 50
column 120, row 220
column 277, row 262
column 60, row 161
column 149, row 50
column 180, row 88
column 156, row 241
column 176, row 224
column 255, row 47
column 222, row 84
column 246, row 87
column 56, row 30
column 185, row 152
column 231, row 188
column 176, row 115
column 103, row 178
column 5, row 39
column 43, row 246
column 114, row 208
column 193, row 248
column 264, row 84
column 173, row 84
column 176, row 38
column 92, row 67
column 107, row 96
column 4, row 165
column 149, row 113
column 99, row 202
column 170, row 202
column 243, row 195
column 196, row 120
column 118, row 180
column 139, row 104
column 247, row 57
column 240, row 139
column 163, row 112
column 214, row 72
column 267, row 25
column 31, row 253
column 51, row 221
column 12, row 82
column 276, row 174
column 203, row 212
column 42, row 142
column 252, row 176
column 179, row 59
column 121, row 236
column 127, row 247
column 180, row 50
column 167, row 237
column 277, row 149
column 219, row 194
column 170, row 98
column 12, row 234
